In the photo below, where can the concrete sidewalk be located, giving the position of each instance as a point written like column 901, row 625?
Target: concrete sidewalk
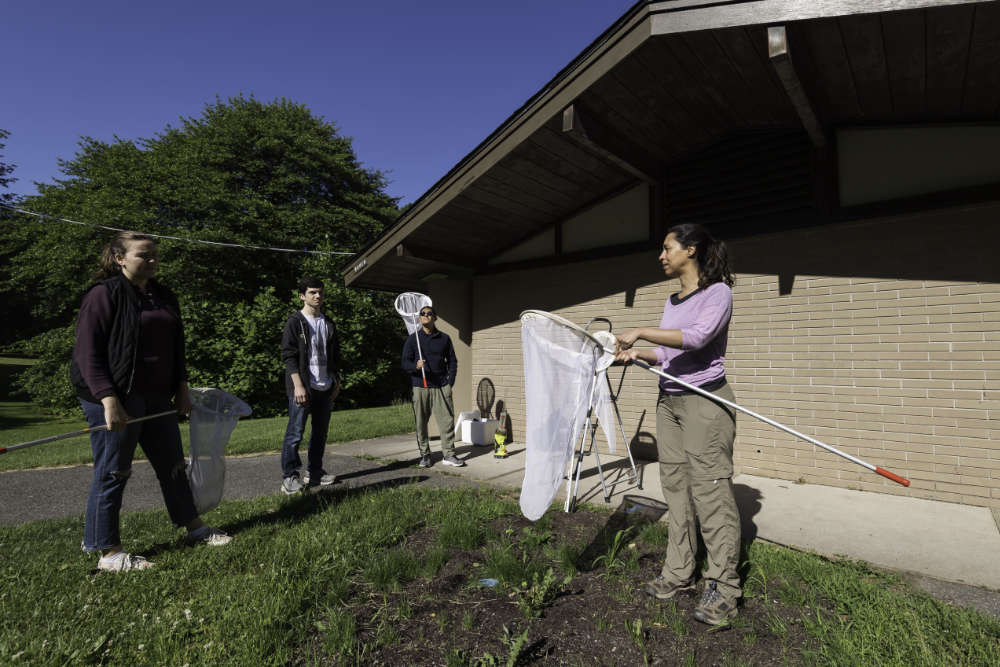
column 954, row 543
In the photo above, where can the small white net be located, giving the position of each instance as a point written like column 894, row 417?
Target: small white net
column 408, row 305
column 214, row 414
column 563, row 377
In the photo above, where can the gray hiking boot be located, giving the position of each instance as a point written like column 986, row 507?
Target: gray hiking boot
column 291, row 485
column 425, row 461
column 453, row 461
column 662, row 589
column 713, row 608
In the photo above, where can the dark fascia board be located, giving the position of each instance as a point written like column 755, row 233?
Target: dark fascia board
column 679, row 16
column 644, row 20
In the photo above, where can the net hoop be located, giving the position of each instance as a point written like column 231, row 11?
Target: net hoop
column 408, row 300
column 566, row 323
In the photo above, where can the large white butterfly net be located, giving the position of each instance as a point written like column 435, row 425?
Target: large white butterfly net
column 563, row 377
column 214, row 414
column 409, row 305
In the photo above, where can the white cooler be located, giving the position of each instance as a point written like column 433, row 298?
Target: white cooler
column 479, row 432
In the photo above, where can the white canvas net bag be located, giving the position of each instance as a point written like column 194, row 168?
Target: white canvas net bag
column 562, row 379
column 214, row 414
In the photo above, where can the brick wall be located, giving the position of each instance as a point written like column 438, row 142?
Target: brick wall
column 878, row 338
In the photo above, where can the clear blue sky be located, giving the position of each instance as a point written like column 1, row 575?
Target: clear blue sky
column 416, row 84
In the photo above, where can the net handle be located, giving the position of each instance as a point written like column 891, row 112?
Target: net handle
column 718, row 399
column 425, row 302
column 83, row 431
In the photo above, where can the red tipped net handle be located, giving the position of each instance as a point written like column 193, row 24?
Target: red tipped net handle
column 893, row 476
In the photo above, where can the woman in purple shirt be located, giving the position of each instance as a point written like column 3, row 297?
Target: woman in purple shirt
column 128, row 362
column 695, row 434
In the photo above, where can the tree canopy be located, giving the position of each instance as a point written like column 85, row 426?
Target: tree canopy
column 5, row 170
column 244, row 171
column 15, row 308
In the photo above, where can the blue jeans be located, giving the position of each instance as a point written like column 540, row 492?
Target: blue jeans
column 319, row 406
column 160, row 439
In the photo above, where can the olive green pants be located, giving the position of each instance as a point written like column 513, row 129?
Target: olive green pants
column 436, row 401
column 694, row 441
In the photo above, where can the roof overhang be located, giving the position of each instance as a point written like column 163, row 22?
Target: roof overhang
column 666, row 80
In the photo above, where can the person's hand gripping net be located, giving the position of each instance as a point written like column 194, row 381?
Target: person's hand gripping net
column 623, row 346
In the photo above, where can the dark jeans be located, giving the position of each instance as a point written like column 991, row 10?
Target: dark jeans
column 160, row 439
column 319, row 406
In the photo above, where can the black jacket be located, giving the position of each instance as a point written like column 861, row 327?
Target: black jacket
column 122, row 345
column 440, row 363
column 295, row 341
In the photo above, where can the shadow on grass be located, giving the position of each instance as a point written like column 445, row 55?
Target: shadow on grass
column 636, row 511
column 384, row 468
column 633, row 513
column 297, row 508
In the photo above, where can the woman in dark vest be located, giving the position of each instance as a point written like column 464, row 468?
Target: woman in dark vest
column 128, row 362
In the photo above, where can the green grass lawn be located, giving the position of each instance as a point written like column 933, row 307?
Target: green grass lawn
column 250, row 437
column 328, row 578
column 21, row 421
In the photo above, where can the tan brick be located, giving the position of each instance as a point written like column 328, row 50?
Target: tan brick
column 966, row 489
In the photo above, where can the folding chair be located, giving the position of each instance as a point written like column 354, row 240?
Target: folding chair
column 590, row 429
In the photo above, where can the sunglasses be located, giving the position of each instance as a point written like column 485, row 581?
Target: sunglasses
column 427, row 313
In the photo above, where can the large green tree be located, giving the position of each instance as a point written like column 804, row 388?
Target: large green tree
column 14, row 308
column 5, row 171
column 247, row 172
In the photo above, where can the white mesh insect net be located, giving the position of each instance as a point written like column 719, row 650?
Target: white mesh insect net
column 563, row 383
column 409, row 305
column 214, row 414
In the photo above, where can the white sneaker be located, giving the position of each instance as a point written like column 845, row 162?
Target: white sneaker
column 213, row 537
column 122, row 562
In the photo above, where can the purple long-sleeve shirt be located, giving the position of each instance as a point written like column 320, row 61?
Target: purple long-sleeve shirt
column 703, row 319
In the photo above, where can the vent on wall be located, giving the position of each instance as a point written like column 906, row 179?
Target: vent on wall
column 745, row 184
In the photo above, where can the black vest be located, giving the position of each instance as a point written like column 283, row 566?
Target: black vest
column 123, row 340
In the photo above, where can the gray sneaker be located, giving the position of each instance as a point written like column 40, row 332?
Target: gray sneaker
column 325, row 479
column 291, row 485
column 713, row 608
column 425, row 461
column 662, row 589
column 453, row 461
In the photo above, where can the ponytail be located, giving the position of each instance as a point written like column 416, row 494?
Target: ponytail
column 108, row 264
column 711, row 253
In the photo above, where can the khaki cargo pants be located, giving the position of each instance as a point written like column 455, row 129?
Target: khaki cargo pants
column 436, row 401
column 694, row 440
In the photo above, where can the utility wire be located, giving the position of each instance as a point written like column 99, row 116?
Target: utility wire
column 43, row 216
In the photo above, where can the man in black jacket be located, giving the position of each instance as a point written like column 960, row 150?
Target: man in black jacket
column 432, row 370
column 311, row 352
